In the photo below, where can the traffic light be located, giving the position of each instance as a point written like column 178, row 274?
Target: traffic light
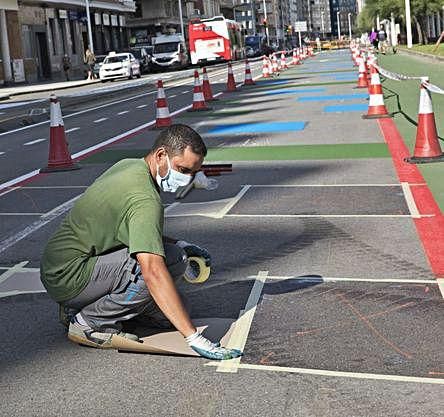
column 289, row 29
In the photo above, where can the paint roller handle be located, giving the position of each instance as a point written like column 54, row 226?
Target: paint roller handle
column 194, row 250
column 210, row 350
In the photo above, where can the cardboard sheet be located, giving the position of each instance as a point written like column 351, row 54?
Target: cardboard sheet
column 171, row 342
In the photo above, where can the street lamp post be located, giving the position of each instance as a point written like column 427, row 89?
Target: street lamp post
column 339, row 24
column 322, row 24
column 88, row 19
column 349, row 27
column 408, row 24
column 181, row 19
column 266, row 20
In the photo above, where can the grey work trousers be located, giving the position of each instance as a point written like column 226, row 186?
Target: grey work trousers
column 117, row 292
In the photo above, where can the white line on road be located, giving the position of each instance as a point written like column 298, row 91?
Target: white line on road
column 232, row 202
column 410, row 200
column 11, row 271
column 328, row 216
column 238, row 338
column 342, row 279
column 185, row 92
column 100, row 120
column 45, row 219
column 33, row 142
column 440, row 282
column 173, row 95
column 324, row 185
column 122, row 112
column 2, row 153
column 73, row 129
column 322, row 372
column 21, row 214
column 141, row 106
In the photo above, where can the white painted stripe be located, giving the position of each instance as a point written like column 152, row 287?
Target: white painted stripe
column 173, row 95
column 326, row 185
column 11, row 271
column 100, row 120
column 141, row 106
column 45, row 219
column 232, row 202
column 32, row 142
column 49, row 187
column 440, row 282
column 73, row 129
column 123, row 112
column 238, row 338
column 2, row 153
column 322, row 372
column 410, row 200
column 185, row 92
column 328, row 216
column 21, row 214
column 8, row 191
column 342, row 279
column 16, row 292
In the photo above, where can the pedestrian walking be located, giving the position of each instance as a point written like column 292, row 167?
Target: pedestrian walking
column 382, row 40
column 66, row 62
column 90, row 60
column 374, row 38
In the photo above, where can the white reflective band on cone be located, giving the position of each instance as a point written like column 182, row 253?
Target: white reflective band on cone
column 160, row 93
column 56, row 115
column 375, row 79
column 196, row 271
column 376, row 100
column 425, row 102
column 163, row 112
column 198, row 97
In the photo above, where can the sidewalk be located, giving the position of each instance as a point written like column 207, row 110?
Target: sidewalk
column 316, row 253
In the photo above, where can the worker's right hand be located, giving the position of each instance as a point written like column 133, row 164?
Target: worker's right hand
column 210, row 350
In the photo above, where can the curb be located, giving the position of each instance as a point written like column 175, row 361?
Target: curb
column 420, row 54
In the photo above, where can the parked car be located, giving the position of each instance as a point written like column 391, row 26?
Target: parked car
column 144, row 54
column 98, row 64
column 122, row 65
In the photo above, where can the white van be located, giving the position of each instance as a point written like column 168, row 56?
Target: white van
column 169, row 52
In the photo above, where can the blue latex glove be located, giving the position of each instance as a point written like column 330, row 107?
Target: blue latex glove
column 194, row 250
column 210, row 350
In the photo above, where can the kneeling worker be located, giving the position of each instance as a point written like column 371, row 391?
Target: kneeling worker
column 108, row 262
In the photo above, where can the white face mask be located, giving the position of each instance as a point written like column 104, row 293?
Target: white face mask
column 172, row 180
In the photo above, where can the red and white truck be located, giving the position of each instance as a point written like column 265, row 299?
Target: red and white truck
column 215, row 39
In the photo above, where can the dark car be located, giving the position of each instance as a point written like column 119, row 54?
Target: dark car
column 144, row 55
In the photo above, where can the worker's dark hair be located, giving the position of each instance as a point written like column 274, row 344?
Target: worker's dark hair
column 176, row 138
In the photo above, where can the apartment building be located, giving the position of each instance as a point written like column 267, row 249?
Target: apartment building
column 42, row 32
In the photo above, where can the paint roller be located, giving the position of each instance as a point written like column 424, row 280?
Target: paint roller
column 196, row 271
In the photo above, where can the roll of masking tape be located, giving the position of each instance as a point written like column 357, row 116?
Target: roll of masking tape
column 196, row 272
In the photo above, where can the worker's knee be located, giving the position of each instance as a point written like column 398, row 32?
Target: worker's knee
column 176, row 260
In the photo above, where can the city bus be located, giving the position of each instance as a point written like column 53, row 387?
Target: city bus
column 215, row 39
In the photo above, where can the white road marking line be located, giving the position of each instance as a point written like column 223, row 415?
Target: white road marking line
column 21, row 268
column 440, row 282
column 45, row 219
column 185, row 92
column 410, row 200
column 16, row 292
column 34, row 141
column 171, row 206
column 2, row 153
column 322, row 372
column 123, row 112
column 100, row 120
column 48, row 187
column 173, row 95
column 21, row 214
column 73, row 129
column 11, row 271
column 329, row 216
column 8, row 191
column 324, row 185
column 238, row 338
column 232, row 202
column 141, row 106
column 342, row 279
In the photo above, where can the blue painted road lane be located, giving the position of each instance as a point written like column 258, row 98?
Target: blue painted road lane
column 256, row 128
column 296, row 91
column 344, row 108
column 334, row 97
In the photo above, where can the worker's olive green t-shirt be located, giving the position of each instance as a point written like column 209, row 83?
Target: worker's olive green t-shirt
column 122, row 208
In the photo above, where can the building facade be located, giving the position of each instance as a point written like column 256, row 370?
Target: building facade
column 339, row 11
column 44, row 33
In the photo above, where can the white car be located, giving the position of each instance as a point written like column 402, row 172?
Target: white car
column 119, row 66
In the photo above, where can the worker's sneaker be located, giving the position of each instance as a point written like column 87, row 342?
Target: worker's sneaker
column 65, row 315
column 85, row 335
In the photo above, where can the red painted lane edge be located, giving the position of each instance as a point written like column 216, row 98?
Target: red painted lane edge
column 430, row 229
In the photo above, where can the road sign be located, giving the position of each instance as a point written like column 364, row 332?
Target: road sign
column 300, row 26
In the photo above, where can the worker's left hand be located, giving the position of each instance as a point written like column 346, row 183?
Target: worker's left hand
column 194, row 250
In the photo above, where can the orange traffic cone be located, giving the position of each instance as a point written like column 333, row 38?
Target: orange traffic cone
column 275, row 65
column 298, row 53
column 295, row 60
column 248, row 78
column 198, row 97
column 59, row 158
column 163, row 118
column 376, row 106
column 427, row 148
column 206, row 86
column 270, row 66
column 231, row 84
column 283, row 61
column 265, row 72
column 362, row 78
